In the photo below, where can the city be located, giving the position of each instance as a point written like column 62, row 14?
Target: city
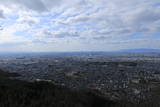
column 131, row 77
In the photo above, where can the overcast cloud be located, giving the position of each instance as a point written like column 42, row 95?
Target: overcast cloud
column 79, row 25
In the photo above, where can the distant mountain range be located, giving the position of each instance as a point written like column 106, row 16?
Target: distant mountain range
column 141, row 50
column 138, row 50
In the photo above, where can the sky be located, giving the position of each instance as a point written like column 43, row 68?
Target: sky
column 78, row 25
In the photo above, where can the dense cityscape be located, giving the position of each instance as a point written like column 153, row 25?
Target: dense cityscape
column 131, row 77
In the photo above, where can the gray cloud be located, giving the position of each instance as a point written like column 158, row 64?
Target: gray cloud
column 11, row 44
column 66, row 34
column 39, row 41
column 141, row 20
column 2, row 14
column 28, row 19
column 120, row 18
column 35, row 5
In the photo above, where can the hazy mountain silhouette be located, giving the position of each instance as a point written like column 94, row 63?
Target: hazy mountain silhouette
column 141, row 50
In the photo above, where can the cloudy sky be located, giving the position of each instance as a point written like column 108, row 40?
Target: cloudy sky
column 79, row 25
